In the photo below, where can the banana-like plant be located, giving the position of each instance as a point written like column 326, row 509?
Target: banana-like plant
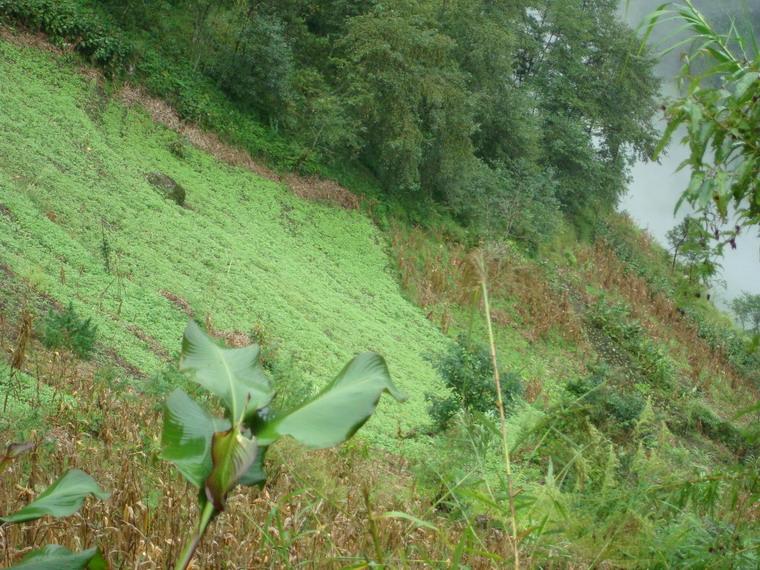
column 62, row 499
column 216, row 454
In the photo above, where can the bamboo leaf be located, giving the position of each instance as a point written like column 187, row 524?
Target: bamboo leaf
column 745, row 83
column 412, row 519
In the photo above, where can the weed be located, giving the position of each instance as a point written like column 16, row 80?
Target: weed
column 607, row 406
column 466, row 369
column 105, row 251
column 66, row 330
column 224, row 453
column 19, row 353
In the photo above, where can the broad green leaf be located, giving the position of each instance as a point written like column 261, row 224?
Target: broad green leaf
column 187, row 436
column 340, row 409
column 255, row 474
column 232, row 454
column 61, row 499
column 233, row 374
column 54, row 557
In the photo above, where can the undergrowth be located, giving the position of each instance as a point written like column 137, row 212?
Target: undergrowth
column 629, row 428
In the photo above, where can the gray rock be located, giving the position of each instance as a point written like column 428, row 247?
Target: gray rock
column 167, row 186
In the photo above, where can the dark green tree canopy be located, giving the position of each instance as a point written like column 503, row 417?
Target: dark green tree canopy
column 447, row 101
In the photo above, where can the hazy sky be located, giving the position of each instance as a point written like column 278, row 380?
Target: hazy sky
column 655, row 188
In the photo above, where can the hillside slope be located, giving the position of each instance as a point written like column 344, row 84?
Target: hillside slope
column 82, row 223
column 632, row 444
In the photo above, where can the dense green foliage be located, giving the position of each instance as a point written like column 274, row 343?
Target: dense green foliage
column 68, row 21
column 241, row 267
column 466, row 369
column 632, row 441
column 66, row 330
column 488, row 108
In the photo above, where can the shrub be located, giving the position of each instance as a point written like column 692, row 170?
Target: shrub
column 705, row 421
column 651, row 361
column 606, row 406
column 467, row 371
column 259, row 70
column 67, row 22
column 66, row 330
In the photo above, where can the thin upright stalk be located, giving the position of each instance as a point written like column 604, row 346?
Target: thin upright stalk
column 193, row 541
column 373, row 528
column 500, row 402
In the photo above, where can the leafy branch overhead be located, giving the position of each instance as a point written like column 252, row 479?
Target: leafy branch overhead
column 720, row 112
column 216, row 454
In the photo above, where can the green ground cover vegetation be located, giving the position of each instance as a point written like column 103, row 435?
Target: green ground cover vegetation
column 630, row 399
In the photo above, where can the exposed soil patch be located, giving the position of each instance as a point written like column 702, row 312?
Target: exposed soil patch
column 152, row 343
column 321, row 190
column 178, row 302
column 161, row 112
column 131, row 369
column 5, row 211
column 28, row 39
column 309, row 188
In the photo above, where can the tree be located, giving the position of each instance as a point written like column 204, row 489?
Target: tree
column 691, row 244
column 747, row 309
column 258, row 69
column 720, row 110
column 596, row 94
column 404, row 83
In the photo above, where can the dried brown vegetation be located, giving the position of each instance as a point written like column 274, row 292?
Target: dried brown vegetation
column 178, row 302
column 321, row 190
column 309, row 188
column 312, row 513
column 658, row 313
column 439, row 274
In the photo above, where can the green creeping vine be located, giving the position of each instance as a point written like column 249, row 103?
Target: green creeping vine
column 216, row 454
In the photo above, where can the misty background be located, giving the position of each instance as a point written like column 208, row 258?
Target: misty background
column 655, row 187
